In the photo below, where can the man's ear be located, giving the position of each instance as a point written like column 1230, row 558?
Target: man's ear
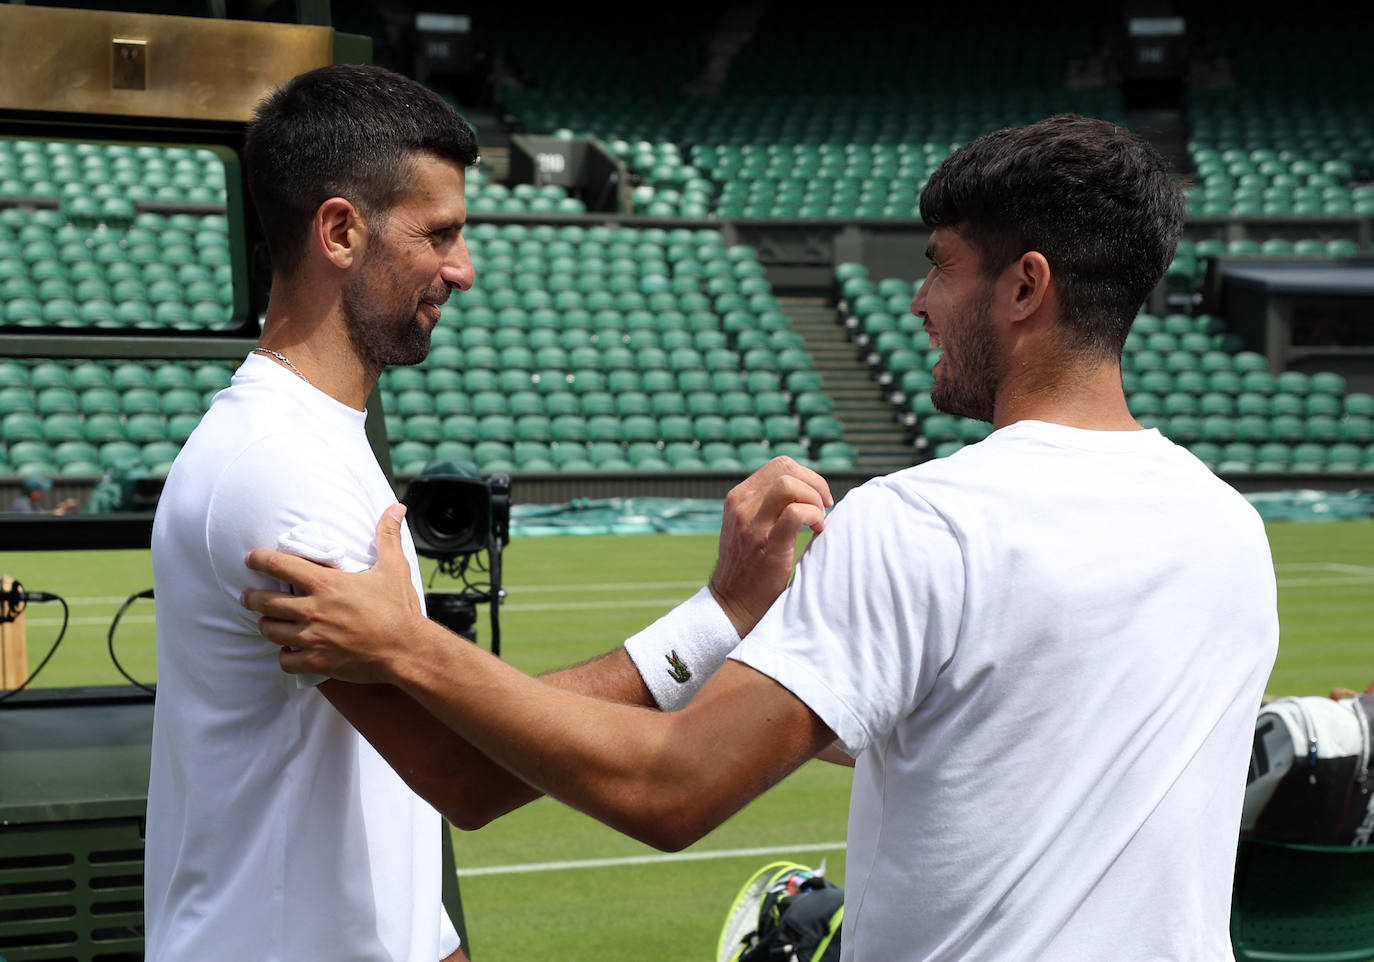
column 1031, row 280
column 340, row 233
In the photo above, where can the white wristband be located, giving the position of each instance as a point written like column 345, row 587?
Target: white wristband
column 676, row 654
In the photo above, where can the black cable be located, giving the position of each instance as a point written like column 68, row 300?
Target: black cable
column 110, row 640
column 477, row 591
column 494, row 593
column 23, row 598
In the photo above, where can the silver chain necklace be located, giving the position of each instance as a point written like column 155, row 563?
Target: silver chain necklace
column 285, row 360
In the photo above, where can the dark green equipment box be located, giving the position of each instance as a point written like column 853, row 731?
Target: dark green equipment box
column 73, row 792
column 73, row 799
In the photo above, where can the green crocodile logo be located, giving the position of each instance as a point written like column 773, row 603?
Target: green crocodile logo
column 678, row 668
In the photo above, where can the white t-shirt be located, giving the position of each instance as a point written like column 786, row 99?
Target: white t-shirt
column 275, row 831
column 1046, row 652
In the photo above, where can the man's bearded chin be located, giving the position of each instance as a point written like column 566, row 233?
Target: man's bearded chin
column 384, row 342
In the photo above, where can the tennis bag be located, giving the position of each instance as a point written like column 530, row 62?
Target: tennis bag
column 786, row 911
column 1309, row 772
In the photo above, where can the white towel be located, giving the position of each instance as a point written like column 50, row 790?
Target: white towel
column 310, row 540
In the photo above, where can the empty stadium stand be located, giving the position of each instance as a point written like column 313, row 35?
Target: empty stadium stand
column 750, row 295
column 1188, row 376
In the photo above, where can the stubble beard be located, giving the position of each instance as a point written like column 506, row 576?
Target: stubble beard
column 381, row 336
column 968, row 379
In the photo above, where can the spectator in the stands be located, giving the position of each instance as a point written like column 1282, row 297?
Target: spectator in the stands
column 36, row 488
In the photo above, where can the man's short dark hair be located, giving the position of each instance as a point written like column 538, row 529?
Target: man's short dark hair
column 343, row 131
column 1098, row 201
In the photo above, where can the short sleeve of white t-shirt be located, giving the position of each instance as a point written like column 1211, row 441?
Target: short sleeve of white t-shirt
column 872, row 614
column 274, row 487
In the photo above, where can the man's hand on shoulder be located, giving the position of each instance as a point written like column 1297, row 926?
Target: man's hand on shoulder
column 356, row 627
column 758, row 537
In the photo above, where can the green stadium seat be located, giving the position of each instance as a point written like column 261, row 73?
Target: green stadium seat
column 1212, row 403
column 75, row 451
column 727, row 380
column 781, row 429
column 19, row 426
column 745, row 428
column 534, row 427
column 13, row 374
column 1147, row 360
column 157, row 456
column 489, row 402
column 1288, row 428
column 1258, row 382
column 1253, row 428
column 1357, row 428
column 735, row 402
column 760, row 382
column 1281, row 403
column 798, row 382
column 561, row 402
column 487, row 453
column 1293, row 382
column 180, row 426
column 711, row 427
column 1178, row 403
column 1156, row 382
column 570, row 456
column 1206, row 452
column 569, row 428
column 1325, row 382
column 496, row 427
column 13, row 399
column 166, row 377
column 1185, row 429
column 769, row 403
column 115, row 455
column 822, row 428
column 637, row 428
column 63, row 426
column 1191, row 382
column 1144, row 403
column 1345, row 456
column 603, row 427
column 424, row 428
column 462, row 428
column 145, row 426
column 1323, row 429
column 1323, row 404
column 140, row 401
column 56, row 400
column 523, row 403
column 1309, row 454
column 49, row 374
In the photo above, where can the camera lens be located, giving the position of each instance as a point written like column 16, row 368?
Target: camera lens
column 449, row 516
column 452, row 521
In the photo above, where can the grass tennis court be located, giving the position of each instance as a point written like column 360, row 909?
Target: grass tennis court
column 573, row 597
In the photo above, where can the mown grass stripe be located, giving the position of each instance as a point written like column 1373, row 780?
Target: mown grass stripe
column 656, row 859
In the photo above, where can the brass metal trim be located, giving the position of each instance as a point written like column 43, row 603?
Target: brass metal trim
column 143, row 65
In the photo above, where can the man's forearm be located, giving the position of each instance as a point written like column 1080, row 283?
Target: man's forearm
column 466, row 786
column 517, row 722
column 665, row 779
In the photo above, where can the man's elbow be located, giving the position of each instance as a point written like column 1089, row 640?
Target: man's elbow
column 469, row 807
column 466, row 819
column 665, row 838
column 669, row 824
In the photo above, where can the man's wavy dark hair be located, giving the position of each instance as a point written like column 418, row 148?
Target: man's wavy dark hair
column 343, row 131
column 1099, row 202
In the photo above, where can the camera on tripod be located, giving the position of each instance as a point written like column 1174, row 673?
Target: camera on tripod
column 455, row 518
